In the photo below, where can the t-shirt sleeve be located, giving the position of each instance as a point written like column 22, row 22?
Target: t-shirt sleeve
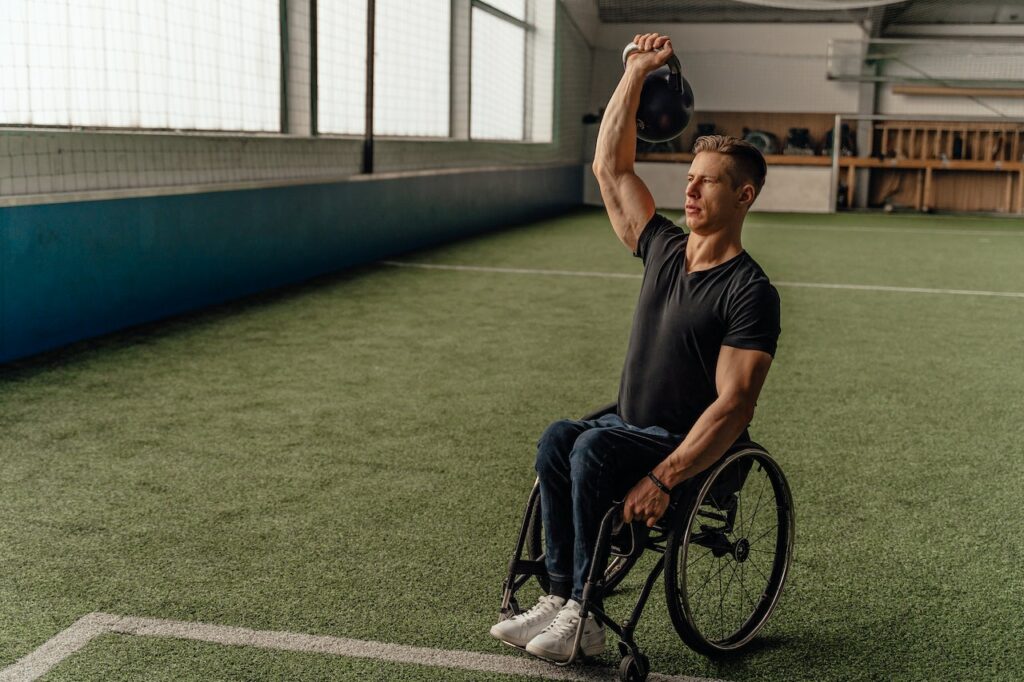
column 653, row 235
column 754, row 318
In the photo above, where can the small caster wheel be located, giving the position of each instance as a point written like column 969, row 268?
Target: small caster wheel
column 633, row 669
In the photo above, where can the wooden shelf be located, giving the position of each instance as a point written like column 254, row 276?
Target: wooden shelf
column 933, row 140
column 924, row 178
column 854, row 161
column 771, row 159
column 946, row 91
column 940, row 164
column 960, row 163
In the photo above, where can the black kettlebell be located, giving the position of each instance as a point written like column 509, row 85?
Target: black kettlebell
column 666, row 101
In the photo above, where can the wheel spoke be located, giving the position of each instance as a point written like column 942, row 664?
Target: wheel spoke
column 735, row 564
column 711, row 568
column 718, row 573
column 763, row 534
column 760, row 571
column 701, row 557
column 739, row 509
column 753, row 602
column 757, row 505
column 742, row 588
column 726, row 590
column 721, row 617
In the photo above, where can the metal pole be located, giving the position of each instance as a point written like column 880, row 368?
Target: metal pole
column 283, row 36
column 371, row 11
column 312, row 69
column 833, row 195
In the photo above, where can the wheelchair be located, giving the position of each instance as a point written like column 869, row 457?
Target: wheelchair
column 725, row 546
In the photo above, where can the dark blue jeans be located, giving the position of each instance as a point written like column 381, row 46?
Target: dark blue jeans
column 584, row 468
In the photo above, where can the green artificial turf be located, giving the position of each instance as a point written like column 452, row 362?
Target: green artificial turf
column 351, row 457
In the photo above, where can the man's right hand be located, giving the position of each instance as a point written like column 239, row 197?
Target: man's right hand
column 653, row 53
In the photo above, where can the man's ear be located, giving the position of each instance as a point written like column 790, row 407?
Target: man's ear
column 746, row 195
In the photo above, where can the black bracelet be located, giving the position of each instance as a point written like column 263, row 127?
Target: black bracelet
column 661, row 486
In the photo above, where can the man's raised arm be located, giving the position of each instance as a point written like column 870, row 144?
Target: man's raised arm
column 626, row 198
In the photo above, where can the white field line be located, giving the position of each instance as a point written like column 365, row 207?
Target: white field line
column 56, row 649
column 622, row 275
column 50, row 654
column 906, row 290
column 511, row 271
column 898, row 230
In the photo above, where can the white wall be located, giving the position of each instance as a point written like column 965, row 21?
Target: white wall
column 889, row 103
column 741, row 67
column 1006, row 63
column 584, row 14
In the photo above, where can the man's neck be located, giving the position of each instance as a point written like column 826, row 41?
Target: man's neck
column 704, row 252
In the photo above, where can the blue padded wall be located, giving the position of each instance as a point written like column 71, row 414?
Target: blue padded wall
column 70, row 271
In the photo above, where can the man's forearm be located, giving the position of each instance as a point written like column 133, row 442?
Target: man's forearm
column 716, row 429
column 616, row 139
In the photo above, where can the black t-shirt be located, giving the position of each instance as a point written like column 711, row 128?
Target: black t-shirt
column 681, row 322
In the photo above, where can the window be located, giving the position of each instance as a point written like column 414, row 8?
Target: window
column 497, row 96
column 412, row 68
column 341, row 66
column 185, row 64
column 512, row 66
column 411, row 90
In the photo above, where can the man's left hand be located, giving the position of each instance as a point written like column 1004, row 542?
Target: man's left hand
column 645, row 502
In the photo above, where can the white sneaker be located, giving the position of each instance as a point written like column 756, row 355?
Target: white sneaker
column 555, row 642
column 520, row 629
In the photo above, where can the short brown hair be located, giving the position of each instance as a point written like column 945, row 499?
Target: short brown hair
column 748, row 163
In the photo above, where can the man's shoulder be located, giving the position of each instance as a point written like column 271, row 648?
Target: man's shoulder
column 749, row 281
column 749, row 271
column 660, row 224
column 657, row 235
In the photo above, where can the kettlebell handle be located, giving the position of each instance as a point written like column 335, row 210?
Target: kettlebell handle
column 675, row 70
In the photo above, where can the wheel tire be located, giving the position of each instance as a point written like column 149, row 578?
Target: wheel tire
column 633, row 669
column 618, row 565
column 690, row 618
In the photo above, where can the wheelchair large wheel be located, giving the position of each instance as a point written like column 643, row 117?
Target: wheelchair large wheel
column 618, row 563
column 727, row 557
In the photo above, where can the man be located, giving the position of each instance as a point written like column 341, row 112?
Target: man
column 704, row 334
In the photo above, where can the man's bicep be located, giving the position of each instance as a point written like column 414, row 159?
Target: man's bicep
column 740, row 374
column 629, row 204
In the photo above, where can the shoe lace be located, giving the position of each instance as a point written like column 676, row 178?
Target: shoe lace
column 542, row 608
column 565, row 623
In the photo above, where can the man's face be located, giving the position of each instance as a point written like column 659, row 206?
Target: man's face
column 712, row 203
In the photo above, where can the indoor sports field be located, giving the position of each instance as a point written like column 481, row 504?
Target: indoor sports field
column 351, row 457
column 293, row 291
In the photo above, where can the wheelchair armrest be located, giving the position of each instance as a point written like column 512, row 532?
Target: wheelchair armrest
column 610, row 408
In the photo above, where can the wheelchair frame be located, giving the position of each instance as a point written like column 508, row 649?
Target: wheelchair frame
column 664, row 537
